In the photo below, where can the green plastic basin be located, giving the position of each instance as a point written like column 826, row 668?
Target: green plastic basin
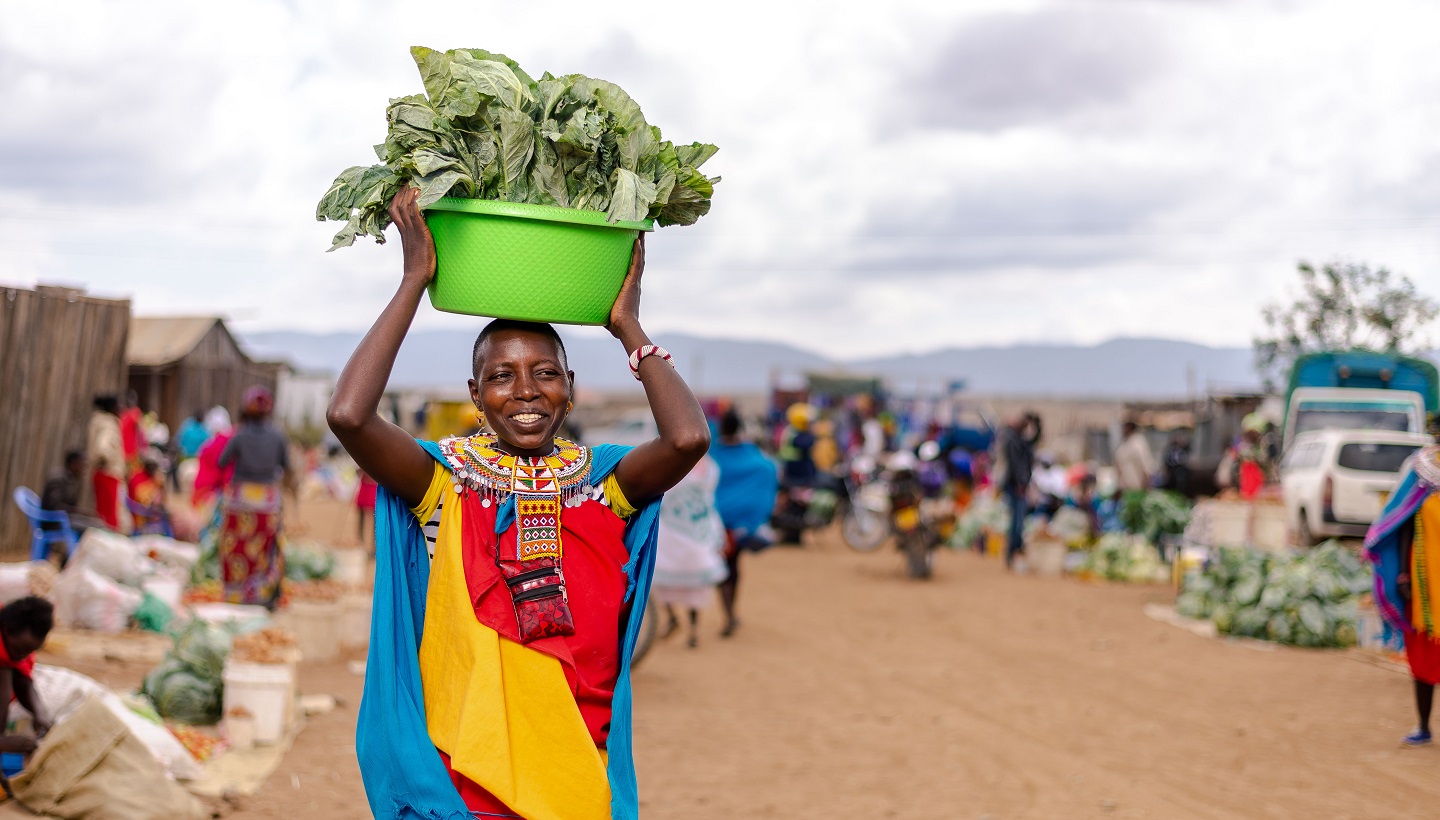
column 538, row 263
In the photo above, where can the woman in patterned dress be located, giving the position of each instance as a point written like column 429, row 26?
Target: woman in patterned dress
column 251, row 566
column 525, row 557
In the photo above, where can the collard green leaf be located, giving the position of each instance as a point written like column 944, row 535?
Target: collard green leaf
column 515, row 143
column 694, row 154
column 631, row 197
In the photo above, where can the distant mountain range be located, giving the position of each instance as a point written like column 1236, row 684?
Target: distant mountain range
column 1131, row 368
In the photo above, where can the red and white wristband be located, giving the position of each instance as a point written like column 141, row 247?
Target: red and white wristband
column 648, row 350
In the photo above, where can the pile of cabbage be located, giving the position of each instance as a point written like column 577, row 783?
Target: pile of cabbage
column 1155, row 513
column 188, row 685
column 1306, row 599
column 1125, row 557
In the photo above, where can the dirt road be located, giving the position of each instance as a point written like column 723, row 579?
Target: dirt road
column 852, row 693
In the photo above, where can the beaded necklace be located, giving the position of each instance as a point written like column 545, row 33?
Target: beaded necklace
column 541, row 486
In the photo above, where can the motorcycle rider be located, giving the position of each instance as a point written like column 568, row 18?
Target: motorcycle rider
column 797, row 471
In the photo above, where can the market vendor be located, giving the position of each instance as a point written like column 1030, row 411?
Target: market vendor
column 1404, row 546
column 24, row 625
column 525, row 557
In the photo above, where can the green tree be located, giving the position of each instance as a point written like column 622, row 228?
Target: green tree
column 1342, row 306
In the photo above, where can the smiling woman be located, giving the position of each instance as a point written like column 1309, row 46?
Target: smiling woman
column 512, row 569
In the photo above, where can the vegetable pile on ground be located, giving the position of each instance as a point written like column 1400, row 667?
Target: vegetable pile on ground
column 308, row 562
column 1308, row 599
column 269, row 645
column 985, row 514
column 1155, row 513
column 187, row 685
column 484, row 129
column 1130, row 558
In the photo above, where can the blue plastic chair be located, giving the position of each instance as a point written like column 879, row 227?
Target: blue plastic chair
column 40, row 537
column 157, row 516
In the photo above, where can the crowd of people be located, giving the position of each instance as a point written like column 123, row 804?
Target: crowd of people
column 123, row 480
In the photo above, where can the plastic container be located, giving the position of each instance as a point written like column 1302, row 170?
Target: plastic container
column 317, row 629
column 1270, row 531
column 266, row 691
column 351, row 567
column 1047, row 557
column 995, row 544
column 355, row 623
column 241, row 731
column 1229, row 523
column 11, row 763
column 538, row 263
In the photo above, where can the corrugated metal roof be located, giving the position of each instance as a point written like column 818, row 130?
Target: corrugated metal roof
column 161, row 340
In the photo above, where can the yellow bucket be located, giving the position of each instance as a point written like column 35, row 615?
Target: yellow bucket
column 995, row 544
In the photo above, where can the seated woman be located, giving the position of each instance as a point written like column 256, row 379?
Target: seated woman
column 512, row 570
column 147, row 492
column 24, row 625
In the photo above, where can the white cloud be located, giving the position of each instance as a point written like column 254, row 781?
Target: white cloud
column 906, row 176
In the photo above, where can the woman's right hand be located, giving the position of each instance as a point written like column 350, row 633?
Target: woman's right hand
column 414, row 235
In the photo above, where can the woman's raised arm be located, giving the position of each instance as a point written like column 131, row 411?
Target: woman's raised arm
column 394, row 459
column 659, row 464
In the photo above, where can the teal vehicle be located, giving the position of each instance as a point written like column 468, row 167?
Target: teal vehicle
column 1360, row 390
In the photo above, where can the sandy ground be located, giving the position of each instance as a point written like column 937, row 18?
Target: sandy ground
column 853, row 693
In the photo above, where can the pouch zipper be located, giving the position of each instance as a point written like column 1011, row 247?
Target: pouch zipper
column 547, row 591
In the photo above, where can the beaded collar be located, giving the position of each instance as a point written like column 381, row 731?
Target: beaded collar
column 478, row 465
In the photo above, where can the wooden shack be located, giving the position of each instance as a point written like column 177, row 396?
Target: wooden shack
column 59, row 348
column 180, row 364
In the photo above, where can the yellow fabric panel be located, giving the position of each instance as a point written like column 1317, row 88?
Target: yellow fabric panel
column 615, row 497
column 503, row 712
column 439, row 483
column 1425, row 567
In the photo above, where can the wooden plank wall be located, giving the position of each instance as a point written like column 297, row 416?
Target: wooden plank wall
column 58, row 350
column 217, row 371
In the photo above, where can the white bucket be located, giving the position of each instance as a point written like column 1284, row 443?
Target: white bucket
column 317, row 628
column 241, row 731
column 355, row 620
column 1229, row 523
column 266, row 691
column 351, row 567
column 1047, row 558
column 1271, row 531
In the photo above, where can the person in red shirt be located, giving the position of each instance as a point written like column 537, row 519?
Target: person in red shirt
column 132, row 432
column 24, row 625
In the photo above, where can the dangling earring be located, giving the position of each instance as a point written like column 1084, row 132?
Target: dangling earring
column 480, row 414
column 568, row 407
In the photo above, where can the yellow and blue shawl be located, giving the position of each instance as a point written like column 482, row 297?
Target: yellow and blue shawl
column 402, row 771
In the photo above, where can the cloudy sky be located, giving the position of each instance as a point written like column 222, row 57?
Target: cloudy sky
column 897, row 176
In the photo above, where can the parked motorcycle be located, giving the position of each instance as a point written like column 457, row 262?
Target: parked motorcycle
column 865, row 521
column 913, row 535
column 813, row 506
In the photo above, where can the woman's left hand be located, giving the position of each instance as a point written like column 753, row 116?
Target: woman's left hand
column 625, row 313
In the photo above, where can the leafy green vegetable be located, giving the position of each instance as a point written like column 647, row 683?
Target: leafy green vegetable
column 308, row 563
column 485, row 129
column 1121, row 557
column 1307, row 599
column 187, row 685
column 1153, row 513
